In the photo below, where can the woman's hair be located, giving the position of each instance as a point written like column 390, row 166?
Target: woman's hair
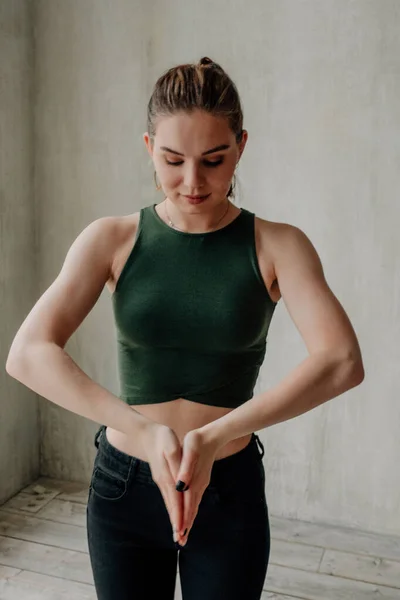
column 188, row 87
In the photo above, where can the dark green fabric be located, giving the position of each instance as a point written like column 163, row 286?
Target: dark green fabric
column 192, row 314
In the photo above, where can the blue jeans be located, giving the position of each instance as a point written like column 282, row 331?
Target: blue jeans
column 132, row 552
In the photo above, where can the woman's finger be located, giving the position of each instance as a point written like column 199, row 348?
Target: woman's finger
column 173, row 504
column 175, row 510
column 189, row 507
column 175, row 500
column 190, row 511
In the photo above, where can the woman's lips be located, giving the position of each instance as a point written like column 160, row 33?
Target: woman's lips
column 197, row 199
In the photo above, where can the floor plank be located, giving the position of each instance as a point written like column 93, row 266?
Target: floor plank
column 46, row 560
column 8, row 572
column 78, row 497
column 318, row 586
column 32, row 529
column 33, row 586
column 68, row 490
column 336, row 538
column 363, row 568
column 29, row 502
column 64, row 511
column 298, row 556
column 273, row 596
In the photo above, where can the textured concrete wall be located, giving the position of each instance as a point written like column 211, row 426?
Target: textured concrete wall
column 320, row 86
column 19, row 442
column 91, row 78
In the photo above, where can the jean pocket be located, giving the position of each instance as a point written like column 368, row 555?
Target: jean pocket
column 108, row 485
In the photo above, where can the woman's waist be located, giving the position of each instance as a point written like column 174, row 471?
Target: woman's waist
column 181, row 416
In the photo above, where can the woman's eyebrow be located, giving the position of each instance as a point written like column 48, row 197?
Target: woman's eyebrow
column 216, row 149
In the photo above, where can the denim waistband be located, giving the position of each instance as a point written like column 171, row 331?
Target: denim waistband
column 141, row 467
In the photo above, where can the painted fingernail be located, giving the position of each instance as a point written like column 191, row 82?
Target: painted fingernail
column 177, row 546
column 180, row 486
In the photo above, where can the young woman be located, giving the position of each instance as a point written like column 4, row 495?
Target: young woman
column 195, row 281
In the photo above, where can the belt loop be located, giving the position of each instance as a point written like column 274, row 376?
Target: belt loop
column 98, row 435
column 259, row 442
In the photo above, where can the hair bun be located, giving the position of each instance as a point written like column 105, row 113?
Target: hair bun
column 206, row 61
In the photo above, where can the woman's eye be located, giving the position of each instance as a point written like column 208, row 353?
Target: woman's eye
column 214, row 163
column 208, row 163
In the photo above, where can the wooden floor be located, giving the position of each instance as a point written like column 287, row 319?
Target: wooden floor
column 44, row 555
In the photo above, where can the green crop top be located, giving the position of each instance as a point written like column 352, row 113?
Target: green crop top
column 192, row 314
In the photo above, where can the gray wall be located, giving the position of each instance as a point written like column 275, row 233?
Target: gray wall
column 19, row 439
column 320, row 84
column 91, row 77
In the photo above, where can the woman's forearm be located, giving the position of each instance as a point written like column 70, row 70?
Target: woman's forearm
column 317, row 379
column 49, row 371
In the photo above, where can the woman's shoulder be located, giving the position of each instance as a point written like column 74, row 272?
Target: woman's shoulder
column 124, row 224
column 279, row 243
column 289, row 248
column 274, row 226
column 277, row 234
column 117, row 228
column 274, row 235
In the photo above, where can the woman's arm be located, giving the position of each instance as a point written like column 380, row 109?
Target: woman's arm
column 37, row 357
column 334, row 364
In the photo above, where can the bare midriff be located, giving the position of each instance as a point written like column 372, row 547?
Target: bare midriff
column 181, row 416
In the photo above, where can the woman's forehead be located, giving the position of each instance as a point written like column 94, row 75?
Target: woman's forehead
column 192, row 133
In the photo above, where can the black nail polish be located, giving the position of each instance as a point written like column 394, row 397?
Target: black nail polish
column 178, row 546
column 180, row 486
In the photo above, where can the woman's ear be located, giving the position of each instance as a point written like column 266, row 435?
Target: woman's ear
column 148, row 144
column 243, row 142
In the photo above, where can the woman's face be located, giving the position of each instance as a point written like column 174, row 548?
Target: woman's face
column 183, row 161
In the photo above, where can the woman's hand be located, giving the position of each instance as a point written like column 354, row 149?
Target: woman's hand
column 164, row 452
column 170, row 463
column 198, row 456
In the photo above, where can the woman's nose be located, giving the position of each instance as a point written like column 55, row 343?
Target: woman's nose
column 193, row 178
